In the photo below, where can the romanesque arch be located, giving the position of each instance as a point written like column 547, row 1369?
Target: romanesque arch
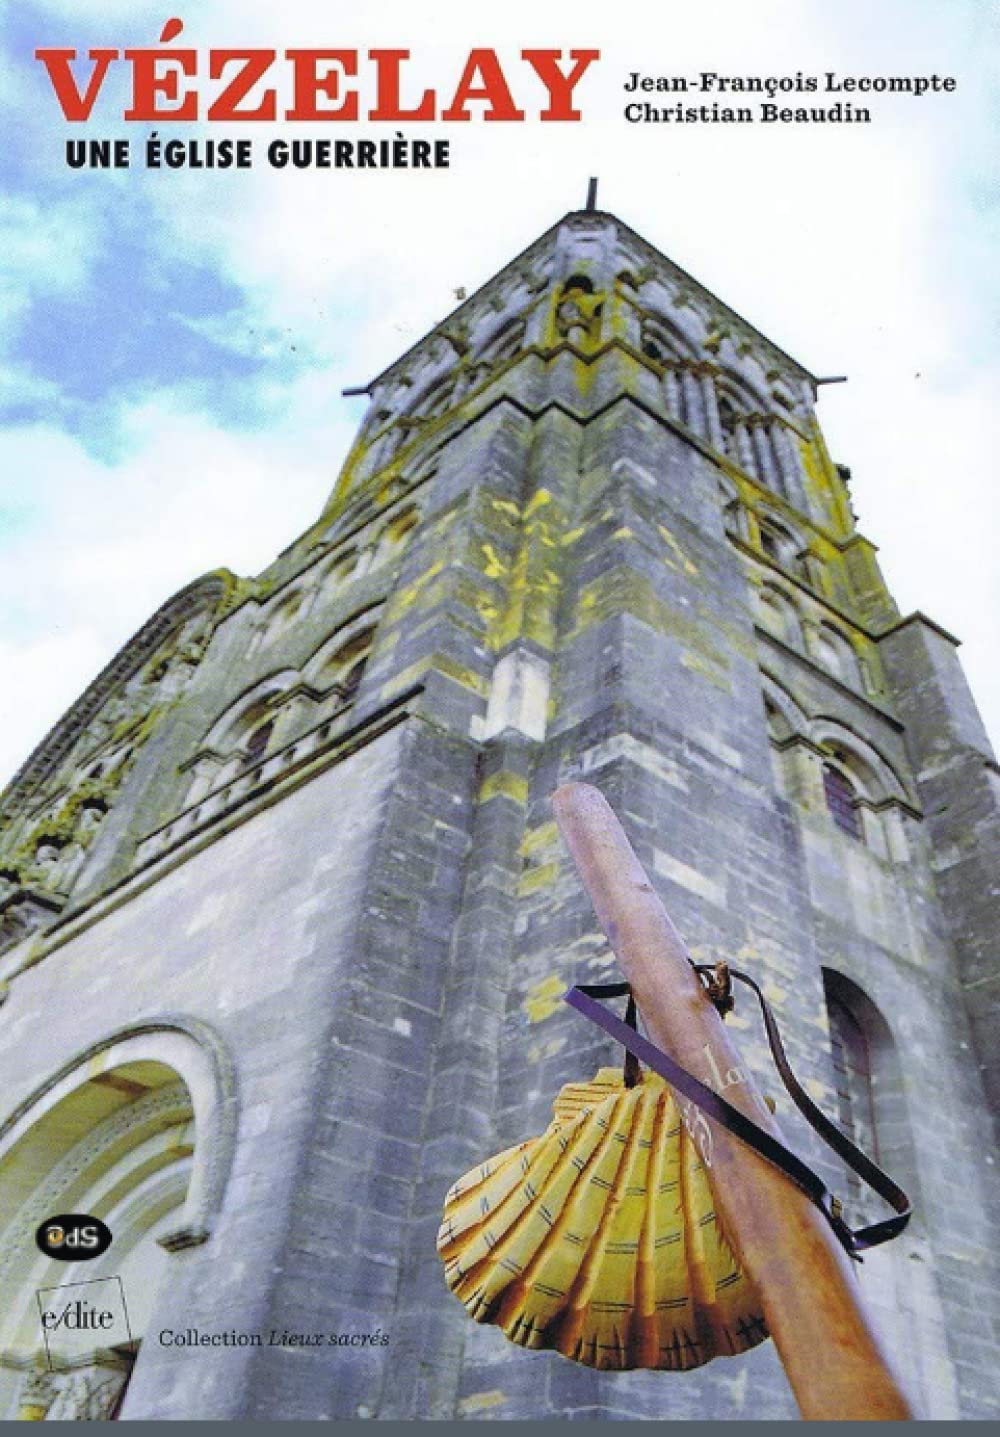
column 869, row 1087
column 834, row 650
column 139, row 1131
column 241, row 716
column 868, row 768
column 779, row 613
column 338, row 658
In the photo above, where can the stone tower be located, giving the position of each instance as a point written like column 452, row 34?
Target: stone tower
column 286, row 921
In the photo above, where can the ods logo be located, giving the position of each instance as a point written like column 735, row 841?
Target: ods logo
column 73, row 1237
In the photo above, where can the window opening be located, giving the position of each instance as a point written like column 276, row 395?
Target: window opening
column 257, row 743
column 841, row 802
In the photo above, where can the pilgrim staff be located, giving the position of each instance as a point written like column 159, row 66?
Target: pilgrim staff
column 835, row 1362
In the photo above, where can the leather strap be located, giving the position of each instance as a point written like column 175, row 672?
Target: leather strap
column 583, row 998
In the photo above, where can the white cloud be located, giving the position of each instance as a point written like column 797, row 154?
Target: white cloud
column 44, row 248
column 120, row 538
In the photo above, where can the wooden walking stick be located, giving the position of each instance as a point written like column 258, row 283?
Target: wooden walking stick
column 834, row 1360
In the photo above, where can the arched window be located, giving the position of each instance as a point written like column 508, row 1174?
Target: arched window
column 580, row 282
column 291, row 608
column 770, row 543
column 394, row 535
column 239, row 738
column 861, row 792
column 344, row 666
column 728, row 420
column 835, row 653
column 256, row 744
column 852, row 1075
column 343, row 566
column 504, row 343
column 868, row 1083
column 780, row 545
column 659, row 334
column 841, row 801
column 437, row 398
column 350, row 663
column 779, row 615
column 351, row 681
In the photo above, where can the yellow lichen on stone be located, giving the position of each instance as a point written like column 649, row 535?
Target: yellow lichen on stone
column 538, row 877
column 494, row 567
column 685, row 563
column 442, row 664
column 488, row 612
column 540, row 837
column 405, row 677
column 406, row 597
column 811, row 465
column 533, row 587
column 622, row 589
column 479, row 1401
column 698, row 664
column 505, row 783
column 506, row 506
column 538, row 500
column 544, row 998
column 539, row 1052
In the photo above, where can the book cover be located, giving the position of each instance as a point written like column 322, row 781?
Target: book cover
column 405, row 412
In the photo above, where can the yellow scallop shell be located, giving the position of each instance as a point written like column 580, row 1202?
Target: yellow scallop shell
column 599, row 1239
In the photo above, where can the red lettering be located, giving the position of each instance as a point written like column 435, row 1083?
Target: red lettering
column 309, row 84
column 319, row 90
column 493, row 89
column 387, row 103
column 545, row 63
column 147, row 84
column 74, row 105
column 258, row 62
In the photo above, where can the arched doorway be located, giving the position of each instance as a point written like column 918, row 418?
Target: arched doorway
column 129, row 1133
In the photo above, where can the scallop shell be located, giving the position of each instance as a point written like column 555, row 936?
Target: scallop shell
column 600, row 1239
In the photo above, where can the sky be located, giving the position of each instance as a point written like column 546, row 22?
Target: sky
column 175, row 342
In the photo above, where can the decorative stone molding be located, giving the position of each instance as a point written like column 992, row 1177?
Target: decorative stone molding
column 213, row 591
column 181, row 1237
column 196, row 1052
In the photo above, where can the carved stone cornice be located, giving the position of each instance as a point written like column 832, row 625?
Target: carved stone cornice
column 215, row 590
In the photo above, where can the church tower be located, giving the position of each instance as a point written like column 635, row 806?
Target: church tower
column 285, row 920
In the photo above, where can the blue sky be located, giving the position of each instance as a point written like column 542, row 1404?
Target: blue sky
column 130, row 315
column 175, row 343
